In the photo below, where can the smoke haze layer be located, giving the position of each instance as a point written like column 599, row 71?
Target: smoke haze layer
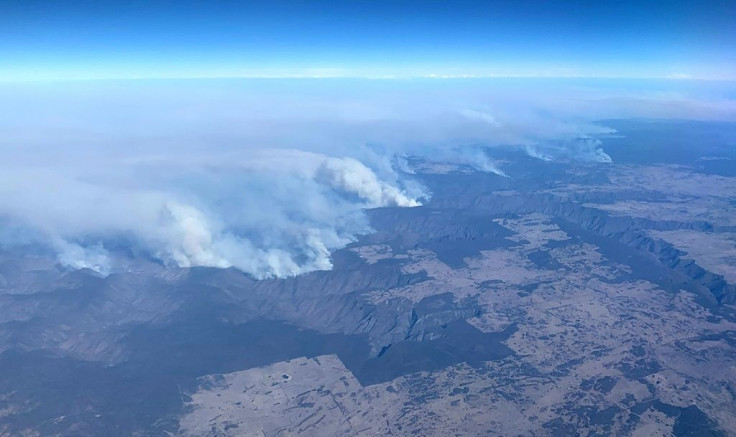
column 271, row 176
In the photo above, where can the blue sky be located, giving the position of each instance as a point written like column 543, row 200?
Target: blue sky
column 401, row 38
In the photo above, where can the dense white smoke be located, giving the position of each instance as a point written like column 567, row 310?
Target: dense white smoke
column 352, row 176
column 268, row 177
column 299, row 240
column 269, row 213
column 191, row 240
column 93, row 257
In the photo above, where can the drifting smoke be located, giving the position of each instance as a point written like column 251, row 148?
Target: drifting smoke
column 289, row 246
column 267, row 213
column 583, row 149
column 266, row 177
column 352, row 176
column 77, row 257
